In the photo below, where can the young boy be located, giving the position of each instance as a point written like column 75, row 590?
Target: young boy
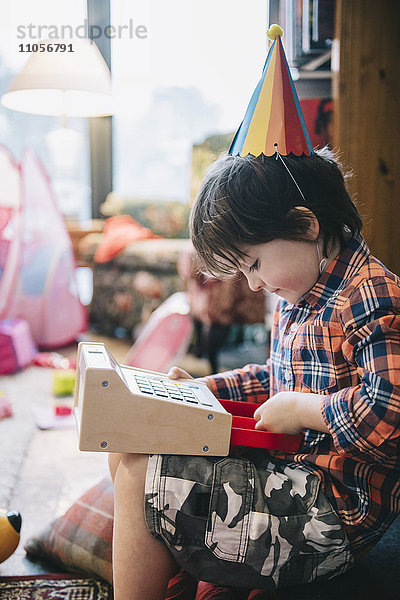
column 279, row 212
column 265, row 519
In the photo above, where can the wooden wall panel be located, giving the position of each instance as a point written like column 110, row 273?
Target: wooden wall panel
column 367, row 117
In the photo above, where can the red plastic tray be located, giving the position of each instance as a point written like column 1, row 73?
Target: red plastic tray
column 244, row 433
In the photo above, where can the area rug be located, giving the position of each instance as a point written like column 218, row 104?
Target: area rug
column 53, row 587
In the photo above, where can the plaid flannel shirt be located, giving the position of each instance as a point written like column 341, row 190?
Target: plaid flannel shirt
column 341, row 340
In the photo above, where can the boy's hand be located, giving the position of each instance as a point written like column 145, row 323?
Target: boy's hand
column 291, row 412
column 178, row 373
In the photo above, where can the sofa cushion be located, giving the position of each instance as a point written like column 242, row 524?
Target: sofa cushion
column 80, row 540
column 119, row 232
column 168, row 218
column 127, row 289
column 153, row 254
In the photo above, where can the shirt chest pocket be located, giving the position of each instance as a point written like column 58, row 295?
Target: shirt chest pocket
column 313, row 359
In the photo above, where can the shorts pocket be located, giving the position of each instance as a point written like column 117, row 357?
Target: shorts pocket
column 231, row 503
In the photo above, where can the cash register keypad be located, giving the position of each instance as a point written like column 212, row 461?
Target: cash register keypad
column 175, row 391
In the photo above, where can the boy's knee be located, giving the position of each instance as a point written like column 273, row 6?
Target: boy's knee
column 113, row 462
column 134, row 466
column 133, row 461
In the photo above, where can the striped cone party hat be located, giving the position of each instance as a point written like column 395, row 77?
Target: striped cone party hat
column 273, row 120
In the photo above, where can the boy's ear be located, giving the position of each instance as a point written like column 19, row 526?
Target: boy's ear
column 313, row 230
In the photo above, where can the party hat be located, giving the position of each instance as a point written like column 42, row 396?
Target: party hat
column 273, row 120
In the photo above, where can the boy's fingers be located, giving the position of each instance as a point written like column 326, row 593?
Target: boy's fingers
column 177, row 373
column 256, row 415
column 173, row 373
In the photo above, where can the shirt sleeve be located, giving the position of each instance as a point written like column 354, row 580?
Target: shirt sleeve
column 364, row 420
column 249, row 384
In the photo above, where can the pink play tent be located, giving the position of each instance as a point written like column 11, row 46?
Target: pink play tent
column 37, row 270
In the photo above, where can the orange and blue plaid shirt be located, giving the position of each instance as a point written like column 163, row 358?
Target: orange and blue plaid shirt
column 341, row 340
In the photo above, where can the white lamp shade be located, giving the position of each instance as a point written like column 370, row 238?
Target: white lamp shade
column 74, row 84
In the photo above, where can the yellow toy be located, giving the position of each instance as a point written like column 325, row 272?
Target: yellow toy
column 10, row 527
column 63, row 382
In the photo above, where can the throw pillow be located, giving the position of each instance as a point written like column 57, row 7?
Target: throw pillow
column 80, row 540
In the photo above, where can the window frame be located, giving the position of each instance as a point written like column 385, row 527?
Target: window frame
column 100, row 128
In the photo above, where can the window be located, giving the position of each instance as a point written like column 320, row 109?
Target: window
column 191, row 76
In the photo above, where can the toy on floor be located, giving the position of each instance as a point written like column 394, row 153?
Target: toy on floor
column 165, row 337
column 63, row 382
column 16, row 345
column 58, row 415
column 37, row 267
column 5, row 406
column 55, row 360
column 10, row 527
column 125, row 409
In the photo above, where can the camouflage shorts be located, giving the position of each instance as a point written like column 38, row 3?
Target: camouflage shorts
column 256, row 523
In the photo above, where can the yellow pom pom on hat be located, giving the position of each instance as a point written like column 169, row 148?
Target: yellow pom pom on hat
column 273, row 120
column 274, row 31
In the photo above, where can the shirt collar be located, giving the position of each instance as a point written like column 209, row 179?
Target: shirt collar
column 342, row 268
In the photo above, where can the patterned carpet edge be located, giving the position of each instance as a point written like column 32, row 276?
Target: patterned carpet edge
column 55, row 586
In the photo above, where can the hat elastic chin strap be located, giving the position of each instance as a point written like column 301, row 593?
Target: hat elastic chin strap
column 321, row 263
column 287, row 169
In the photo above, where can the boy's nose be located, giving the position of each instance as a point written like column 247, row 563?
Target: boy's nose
column 255, row 284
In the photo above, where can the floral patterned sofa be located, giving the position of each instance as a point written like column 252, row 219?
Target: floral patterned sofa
column 128, row 288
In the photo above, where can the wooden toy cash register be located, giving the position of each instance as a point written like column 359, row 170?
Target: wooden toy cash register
column 125, row 409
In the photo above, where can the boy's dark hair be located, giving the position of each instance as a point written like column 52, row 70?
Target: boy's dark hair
column 250, row 200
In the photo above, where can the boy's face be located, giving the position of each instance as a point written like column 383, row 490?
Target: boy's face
column 288, row 269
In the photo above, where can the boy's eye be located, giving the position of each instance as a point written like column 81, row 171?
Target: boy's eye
column 254, row 266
